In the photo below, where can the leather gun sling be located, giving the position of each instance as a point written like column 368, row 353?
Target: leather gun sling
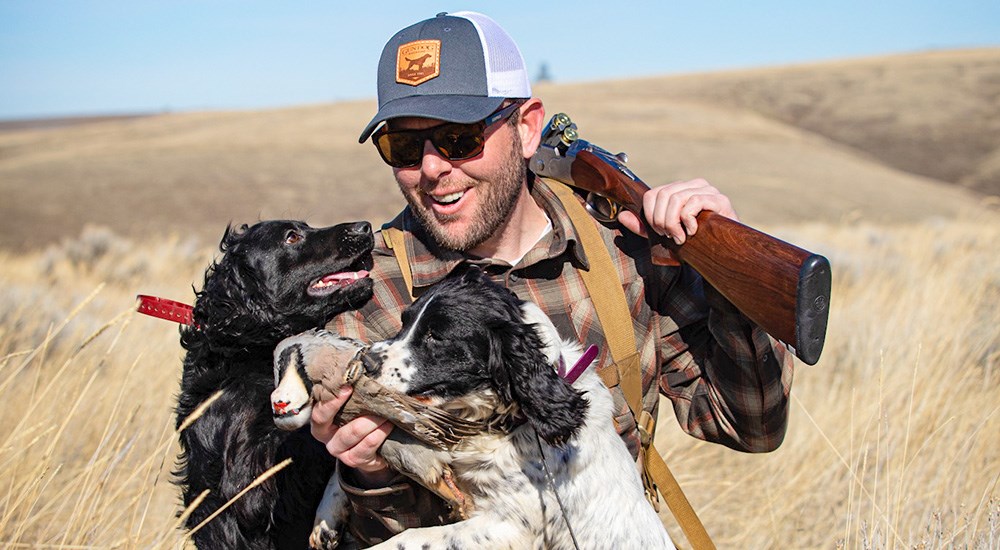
column 394, row 241
column 605, row 289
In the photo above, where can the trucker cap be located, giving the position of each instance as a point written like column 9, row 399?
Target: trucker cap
column 455, row 67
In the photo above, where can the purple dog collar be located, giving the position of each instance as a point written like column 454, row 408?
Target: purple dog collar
column 581, row 365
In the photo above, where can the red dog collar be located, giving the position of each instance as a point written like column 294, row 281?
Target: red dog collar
column 165, row 309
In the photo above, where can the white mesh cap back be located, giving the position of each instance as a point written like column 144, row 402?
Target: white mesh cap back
column 505, row 69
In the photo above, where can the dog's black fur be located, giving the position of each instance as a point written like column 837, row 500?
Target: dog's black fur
column 467, row 334
column 261, row 291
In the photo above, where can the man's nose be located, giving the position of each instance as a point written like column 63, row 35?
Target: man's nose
column 433, row 165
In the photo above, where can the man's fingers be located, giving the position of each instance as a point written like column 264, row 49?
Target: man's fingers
column 321, row 418
column 356, row 443
column 631, row 222
column 696, row 204
column 664, row 208
column 354, row 432
column 689, row 218
column 672, row 209
column 324, row 412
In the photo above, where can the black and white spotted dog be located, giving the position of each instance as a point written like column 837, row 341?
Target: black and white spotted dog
column 552, row 468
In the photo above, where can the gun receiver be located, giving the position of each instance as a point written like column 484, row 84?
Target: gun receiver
column 779, row 286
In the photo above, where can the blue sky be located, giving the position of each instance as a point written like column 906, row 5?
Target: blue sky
column 80, row 58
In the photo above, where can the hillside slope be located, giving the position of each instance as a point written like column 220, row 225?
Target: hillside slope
column 192, row 173
column 931, row 113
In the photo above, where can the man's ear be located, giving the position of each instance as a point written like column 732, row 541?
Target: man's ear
column 531, row 125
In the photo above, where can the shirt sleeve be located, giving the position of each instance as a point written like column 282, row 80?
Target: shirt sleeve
column 727, row 379
column 379, row 514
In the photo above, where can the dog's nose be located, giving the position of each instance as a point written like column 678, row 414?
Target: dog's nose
column 360, row 228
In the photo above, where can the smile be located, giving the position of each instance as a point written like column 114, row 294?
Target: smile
column 450, row 198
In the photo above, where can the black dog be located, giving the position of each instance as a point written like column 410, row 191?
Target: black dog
column 275, row 279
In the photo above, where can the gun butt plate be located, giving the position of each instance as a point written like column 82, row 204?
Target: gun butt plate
column 812, row 308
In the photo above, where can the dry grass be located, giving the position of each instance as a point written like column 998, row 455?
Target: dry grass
column 87, row 388
column 892, row 444
column 894, row 435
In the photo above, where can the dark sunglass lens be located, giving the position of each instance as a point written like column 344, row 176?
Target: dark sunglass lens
column 459, row 141
column 400, row 149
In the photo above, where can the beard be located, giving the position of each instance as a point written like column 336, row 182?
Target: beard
column 497, row 198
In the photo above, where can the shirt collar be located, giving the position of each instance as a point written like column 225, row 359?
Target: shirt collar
column 430, row 263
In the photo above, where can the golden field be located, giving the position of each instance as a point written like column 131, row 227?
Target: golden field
column 894, row 437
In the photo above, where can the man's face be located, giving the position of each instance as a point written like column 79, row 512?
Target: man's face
column 462, row 203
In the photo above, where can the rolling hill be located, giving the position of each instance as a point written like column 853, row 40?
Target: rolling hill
column 889, row 139
column 935, row 114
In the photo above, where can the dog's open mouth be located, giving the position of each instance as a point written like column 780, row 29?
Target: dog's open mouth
column 335, row 281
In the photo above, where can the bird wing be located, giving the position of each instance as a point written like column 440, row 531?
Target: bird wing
column 332, row 361
column 427, row 423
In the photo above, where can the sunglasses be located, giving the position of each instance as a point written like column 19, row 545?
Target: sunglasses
column 453, row 140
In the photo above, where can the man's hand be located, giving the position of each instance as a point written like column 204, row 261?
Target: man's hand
column 671, row 209
column 354, row 444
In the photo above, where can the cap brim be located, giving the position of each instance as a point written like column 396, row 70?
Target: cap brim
column 449, row 108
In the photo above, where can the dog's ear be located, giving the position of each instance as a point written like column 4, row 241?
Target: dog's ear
column 469, row 274
column 522, row 374
column 232, row 236
column 230, row 306
column 219, row 300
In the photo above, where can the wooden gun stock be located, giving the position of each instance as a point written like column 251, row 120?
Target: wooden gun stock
column 779, row 286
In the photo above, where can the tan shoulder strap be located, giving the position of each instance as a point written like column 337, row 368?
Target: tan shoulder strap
column 678, row 503
column 606, row 292
column 605, row 289
column 394, row 240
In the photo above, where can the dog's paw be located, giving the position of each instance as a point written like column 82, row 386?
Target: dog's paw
column 323, row 537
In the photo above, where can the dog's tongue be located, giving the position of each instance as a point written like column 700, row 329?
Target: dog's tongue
column 341, row 279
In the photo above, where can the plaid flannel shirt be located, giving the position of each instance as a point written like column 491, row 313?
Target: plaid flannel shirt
column 727, row 379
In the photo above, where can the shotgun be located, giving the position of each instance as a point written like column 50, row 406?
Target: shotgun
column 780, row 287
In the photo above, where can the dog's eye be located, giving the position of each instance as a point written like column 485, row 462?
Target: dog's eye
column 292, row 237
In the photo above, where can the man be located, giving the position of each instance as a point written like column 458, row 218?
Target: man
column 458, row 126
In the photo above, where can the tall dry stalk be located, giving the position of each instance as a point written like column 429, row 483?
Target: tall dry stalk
column 87, row 392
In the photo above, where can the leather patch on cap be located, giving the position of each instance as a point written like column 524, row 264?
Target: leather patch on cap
column 417, row 62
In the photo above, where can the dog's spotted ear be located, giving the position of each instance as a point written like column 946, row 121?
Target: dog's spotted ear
column 552, row 343
column 522, row 374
